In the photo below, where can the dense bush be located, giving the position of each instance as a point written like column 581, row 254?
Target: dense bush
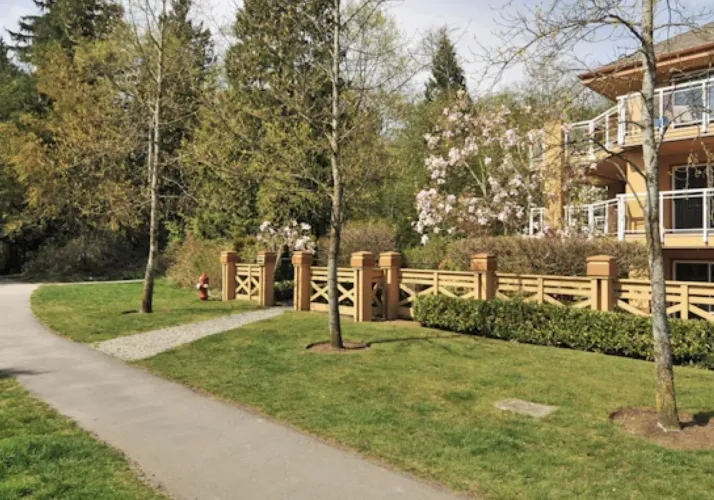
column 544, row 324
column 375, row 237
column 93, row 256
column 191, row 257
column 515, row 254
column 429, row 256
column 284, row 291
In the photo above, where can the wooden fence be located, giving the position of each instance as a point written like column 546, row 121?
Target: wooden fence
column 254, row 282
column 360, row 288
column 385, row 290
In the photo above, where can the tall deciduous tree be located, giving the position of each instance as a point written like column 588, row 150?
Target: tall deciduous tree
column 447, row 75
column 173, row 55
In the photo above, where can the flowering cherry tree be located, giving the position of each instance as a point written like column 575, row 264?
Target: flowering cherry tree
column 481, row 175
column 293, row 236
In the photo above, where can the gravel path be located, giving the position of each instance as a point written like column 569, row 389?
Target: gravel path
column 145, row 345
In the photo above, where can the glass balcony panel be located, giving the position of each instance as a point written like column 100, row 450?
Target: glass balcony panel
column 684, row 107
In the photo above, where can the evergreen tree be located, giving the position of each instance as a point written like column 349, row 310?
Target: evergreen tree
column 188, row 64
column 277, row 74
column 66, row 22
column 16, row 88
column 447, row 76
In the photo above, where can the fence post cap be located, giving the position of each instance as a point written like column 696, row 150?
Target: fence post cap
column 602, row 265
column 483, row 262
column 229, row 256
column 266, row 257
column 390, row 259
column 362, row 259
column 302, row 257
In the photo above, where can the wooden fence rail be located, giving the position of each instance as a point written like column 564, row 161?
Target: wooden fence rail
column 387, row 291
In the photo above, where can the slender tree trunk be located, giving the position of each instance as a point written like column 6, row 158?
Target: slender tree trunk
column 336, row 215
column 665, row 396
column 147, row 298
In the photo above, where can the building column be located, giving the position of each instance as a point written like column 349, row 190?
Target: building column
column 554, row 176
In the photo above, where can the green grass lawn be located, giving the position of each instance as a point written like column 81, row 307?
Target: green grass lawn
column 424, row 400
column 46, row 456
column 92, row 313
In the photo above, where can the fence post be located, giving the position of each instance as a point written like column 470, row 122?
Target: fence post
column 302, row 261
column 684, row 314
column 390, row 262
column 363, row 264
column 603, row 270
column 484, row 265
column 228, row 275
column 266, row 261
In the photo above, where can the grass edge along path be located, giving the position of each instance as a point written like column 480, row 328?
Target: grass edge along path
column 97, row 312
column 423, row 400
column 45, row 455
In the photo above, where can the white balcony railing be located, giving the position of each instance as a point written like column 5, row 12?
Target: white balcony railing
column 687, row 104
column 682, row 212
column 602, row 132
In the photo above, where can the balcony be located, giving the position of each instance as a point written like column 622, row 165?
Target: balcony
column 686, row 218
column 682, row 111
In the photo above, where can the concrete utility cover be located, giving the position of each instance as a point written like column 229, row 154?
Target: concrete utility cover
column 526, row 408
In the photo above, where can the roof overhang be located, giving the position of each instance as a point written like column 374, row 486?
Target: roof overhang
column 625, row 76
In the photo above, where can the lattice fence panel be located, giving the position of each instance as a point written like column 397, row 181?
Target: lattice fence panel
column 557, row 290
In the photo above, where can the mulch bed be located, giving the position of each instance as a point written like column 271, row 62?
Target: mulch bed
column 326, row 348
column 697, row 430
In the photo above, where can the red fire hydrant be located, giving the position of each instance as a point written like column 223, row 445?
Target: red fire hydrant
column 203, row 287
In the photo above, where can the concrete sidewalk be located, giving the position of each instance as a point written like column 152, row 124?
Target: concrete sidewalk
column 196, row 447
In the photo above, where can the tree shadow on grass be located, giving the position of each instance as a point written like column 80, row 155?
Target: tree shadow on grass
column 412, row 339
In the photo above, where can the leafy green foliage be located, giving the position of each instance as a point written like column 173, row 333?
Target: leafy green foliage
column 193, row 256
column 361, row 236
column 65, row 23
column 557, row 326
column 551, row 256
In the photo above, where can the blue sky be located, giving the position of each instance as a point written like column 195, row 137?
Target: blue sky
column 465, row 18
column 471, row 21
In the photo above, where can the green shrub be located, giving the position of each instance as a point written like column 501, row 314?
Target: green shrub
column 191, row 257
column 284, row 290
column 375, row 237
column 516, row 254
column 557, row 326
column 429, row 256
column 99, row 255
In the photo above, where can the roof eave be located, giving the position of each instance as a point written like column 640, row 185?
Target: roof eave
column 618, row 67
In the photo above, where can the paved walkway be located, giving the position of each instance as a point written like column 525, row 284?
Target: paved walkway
column 195, row 446
column 146, row 345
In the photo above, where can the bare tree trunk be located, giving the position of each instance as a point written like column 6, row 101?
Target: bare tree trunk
column 336, row 215
column 664, row 375
column 147, row 297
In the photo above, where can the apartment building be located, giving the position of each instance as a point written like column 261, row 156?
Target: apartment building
column 611, row 146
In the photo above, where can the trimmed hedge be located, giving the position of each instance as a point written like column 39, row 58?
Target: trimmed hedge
column 557, row 326
column 517, row 254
